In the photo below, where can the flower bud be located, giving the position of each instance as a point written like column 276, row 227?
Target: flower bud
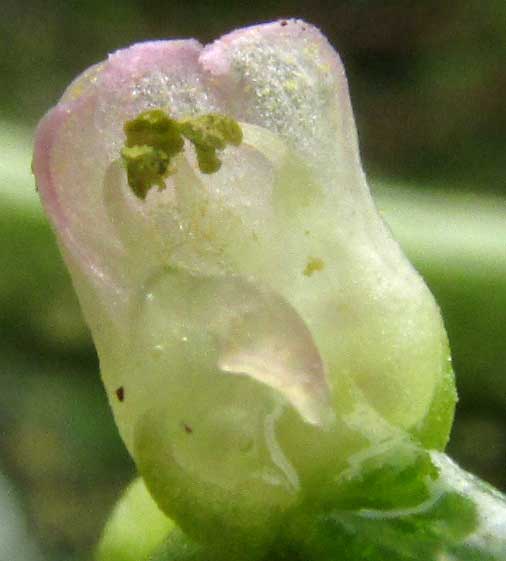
column 259, row 330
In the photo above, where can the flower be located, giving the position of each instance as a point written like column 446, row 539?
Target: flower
column 259, row 330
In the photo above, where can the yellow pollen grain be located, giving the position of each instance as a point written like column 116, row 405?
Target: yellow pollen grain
column 314, row 265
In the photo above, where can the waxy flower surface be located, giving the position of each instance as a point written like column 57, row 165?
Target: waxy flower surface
column 260, row 333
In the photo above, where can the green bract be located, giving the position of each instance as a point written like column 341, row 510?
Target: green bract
column 262, row 338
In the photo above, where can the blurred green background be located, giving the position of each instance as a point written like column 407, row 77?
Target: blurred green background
column 427, row 82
